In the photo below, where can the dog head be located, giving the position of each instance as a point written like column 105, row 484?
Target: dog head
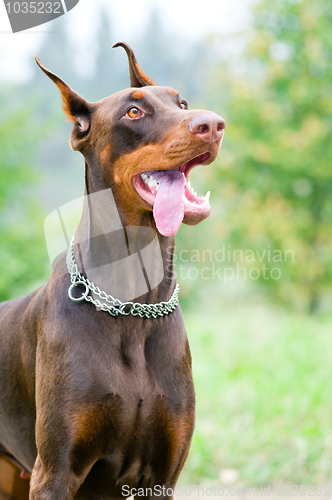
column 143, row 142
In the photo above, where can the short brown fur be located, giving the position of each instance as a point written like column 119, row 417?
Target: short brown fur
column 90, row 403
column 138, row 95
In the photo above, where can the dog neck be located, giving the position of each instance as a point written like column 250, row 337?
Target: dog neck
column 121, row 252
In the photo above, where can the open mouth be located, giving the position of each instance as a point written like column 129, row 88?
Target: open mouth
column 170, row 194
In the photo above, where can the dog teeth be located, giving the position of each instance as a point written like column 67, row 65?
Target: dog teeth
column 207, row 196
column 191, row 189
column 151, row 182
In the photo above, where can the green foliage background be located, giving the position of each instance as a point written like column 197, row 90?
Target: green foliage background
column 22, row 245
column 277, row 180
column 261, row 358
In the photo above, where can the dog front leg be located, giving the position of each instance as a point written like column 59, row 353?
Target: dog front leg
column 56, row 483
column 54, row 476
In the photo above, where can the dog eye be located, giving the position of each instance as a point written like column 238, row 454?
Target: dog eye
column 184, row 104
column 134, row 112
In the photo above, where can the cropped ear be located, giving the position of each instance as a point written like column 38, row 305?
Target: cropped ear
column 137, row 77
column 76, row 108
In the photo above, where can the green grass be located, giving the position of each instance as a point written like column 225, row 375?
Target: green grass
column 264, row 395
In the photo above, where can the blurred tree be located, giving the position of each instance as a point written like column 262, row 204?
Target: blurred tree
column 23, row 256
column 157, row 50
column 110, row 73
column 172, row 61
column 61, row 168
column 277, row 180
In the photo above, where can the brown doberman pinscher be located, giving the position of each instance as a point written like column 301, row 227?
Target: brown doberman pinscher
column 97, row 405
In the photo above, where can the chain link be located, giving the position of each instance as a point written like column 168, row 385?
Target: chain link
column 112, row 305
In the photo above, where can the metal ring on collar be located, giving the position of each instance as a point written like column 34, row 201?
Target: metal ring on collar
column 84, row 295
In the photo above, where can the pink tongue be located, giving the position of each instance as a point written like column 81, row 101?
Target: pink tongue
column 168, row 208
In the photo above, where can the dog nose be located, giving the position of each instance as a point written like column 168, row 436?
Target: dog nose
column 207, row 126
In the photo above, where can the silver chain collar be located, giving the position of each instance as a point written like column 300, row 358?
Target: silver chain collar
column 112, row 305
